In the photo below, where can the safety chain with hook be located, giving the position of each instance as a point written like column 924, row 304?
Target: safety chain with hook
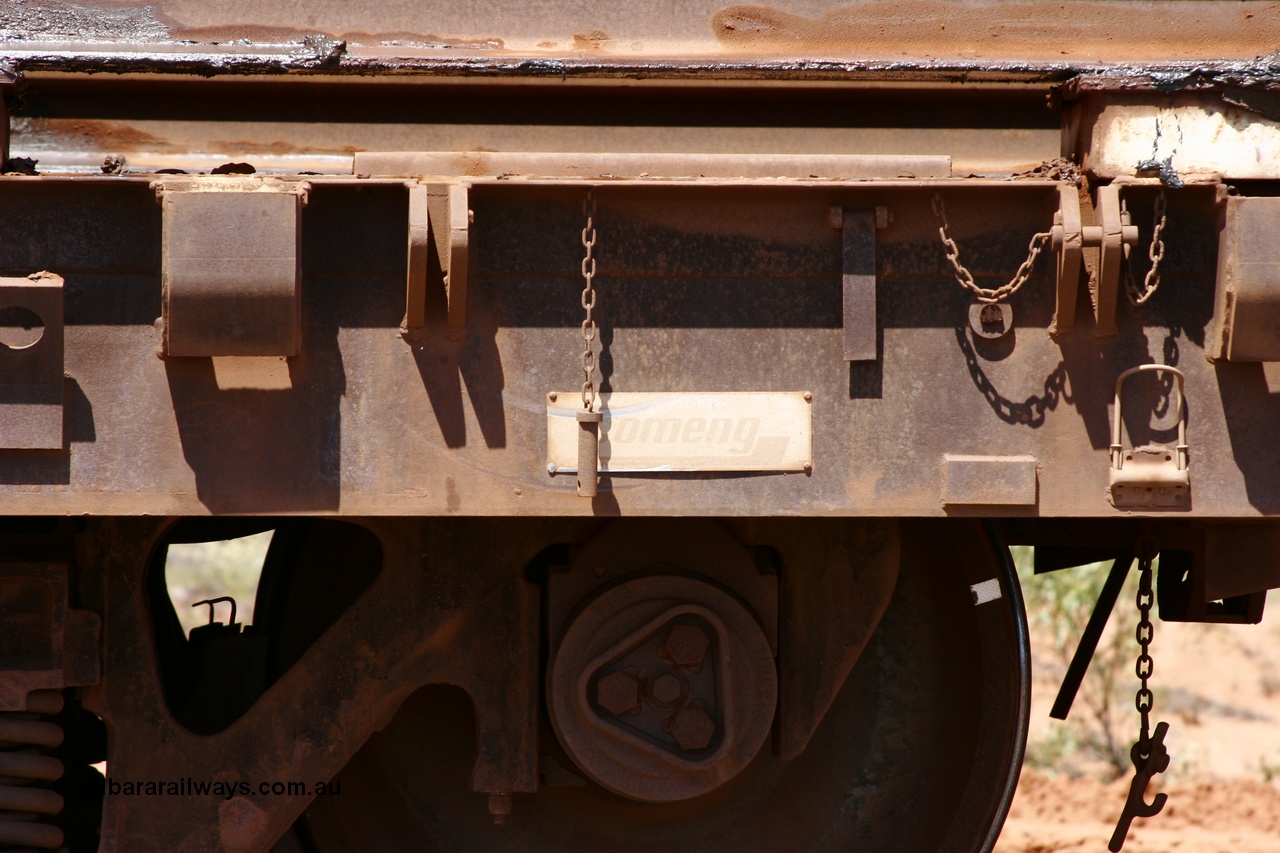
column 952, row 251
column 588, row 301
column 1143, row 700
column 1149, row 755
column 1138, row 296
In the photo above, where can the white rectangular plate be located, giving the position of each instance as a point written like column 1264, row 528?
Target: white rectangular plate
column 716, row 431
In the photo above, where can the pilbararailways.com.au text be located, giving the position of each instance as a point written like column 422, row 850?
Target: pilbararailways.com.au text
column 188, row 787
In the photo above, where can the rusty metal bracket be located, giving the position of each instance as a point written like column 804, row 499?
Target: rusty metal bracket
column 1246, row 323
column 1070, row 237
column 1153, row 475
column 831, row 603
column 31, row 362
column 230, row 266
column 415, row 312
column 400, row 634
column 1112, row 234
column 1068, row 242
column 859, row 280
column 47, row 644
column 449, row 216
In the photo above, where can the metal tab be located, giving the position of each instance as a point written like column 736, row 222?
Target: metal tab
column 415, row 314
column 651, row 432
column 31, row 361
column 989, row 480
column 449, row 212
column 231, row 267
column 859, row 285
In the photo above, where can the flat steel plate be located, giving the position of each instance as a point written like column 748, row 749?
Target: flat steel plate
column 700, row 431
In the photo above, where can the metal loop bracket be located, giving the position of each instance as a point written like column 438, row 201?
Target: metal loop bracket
column 1154, row 475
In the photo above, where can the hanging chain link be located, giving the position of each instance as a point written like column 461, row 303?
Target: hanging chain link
column 1138, row 296
column 588, row 301
column 1143, row 699
column 987, row 295
column 1148, row 754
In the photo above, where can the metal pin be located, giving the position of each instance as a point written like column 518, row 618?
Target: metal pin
column 588, row 452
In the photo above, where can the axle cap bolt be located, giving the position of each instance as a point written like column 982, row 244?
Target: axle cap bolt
column 618, row 693
column 693, row 728
column 666, row 689
column 687, row 645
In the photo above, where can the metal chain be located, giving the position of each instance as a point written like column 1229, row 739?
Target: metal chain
column 1138, row 296
column 1143, row 699
column 952, row 251
column 588, row 301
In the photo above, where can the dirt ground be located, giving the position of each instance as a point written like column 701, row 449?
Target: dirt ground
column 1219, row 689
column 1056, row 813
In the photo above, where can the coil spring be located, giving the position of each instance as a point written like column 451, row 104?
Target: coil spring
column 22, row 737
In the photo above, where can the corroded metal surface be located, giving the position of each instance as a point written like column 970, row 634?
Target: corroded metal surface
column 402, row 633
column 931, row 718
column 708, row 688
column 742, row 279
column 920, row 36
column 422, row 307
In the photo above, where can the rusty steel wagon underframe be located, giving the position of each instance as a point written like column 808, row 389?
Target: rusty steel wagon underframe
column 867, row 309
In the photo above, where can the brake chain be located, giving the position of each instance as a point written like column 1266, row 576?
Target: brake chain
column 1148, row 753
column 1139, row 295
column 965, row 278
column 588, row 302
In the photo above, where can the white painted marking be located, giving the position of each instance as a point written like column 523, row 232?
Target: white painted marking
column 722, row 431
column 985, row 591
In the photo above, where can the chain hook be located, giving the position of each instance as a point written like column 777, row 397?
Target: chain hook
column 1148, row 754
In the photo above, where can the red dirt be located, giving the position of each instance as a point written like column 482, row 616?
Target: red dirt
column 1052, row 814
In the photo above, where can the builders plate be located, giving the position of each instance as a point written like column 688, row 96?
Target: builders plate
column 715, row 431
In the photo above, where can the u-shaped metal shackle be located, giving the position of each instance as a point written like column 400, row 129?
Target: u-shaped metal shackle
column 1117, row 456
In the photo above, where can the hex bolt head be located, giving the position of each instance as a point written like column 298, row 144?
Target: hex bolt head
column 666, row 689
column 687, row 645
column 618, row 693
column 693, row 728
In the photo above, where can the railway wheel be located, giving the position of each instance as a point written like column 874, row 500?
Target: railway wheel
column 919, row 752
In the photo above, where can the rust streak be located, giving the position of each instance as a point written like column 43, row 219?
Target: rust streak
column 1092, row 29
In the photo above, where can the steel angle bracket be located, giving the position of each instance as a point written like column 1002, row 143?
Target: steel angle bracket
column 419, row 249
column 440, row 216
column 231, row 266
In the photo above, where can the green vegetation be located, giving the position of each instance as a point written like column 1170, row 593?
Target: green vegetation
column 1102, row 723
column 203, row 570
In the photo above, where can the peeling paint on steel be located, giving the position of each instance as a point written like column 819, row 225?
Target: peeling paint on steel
column 1188, row 137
